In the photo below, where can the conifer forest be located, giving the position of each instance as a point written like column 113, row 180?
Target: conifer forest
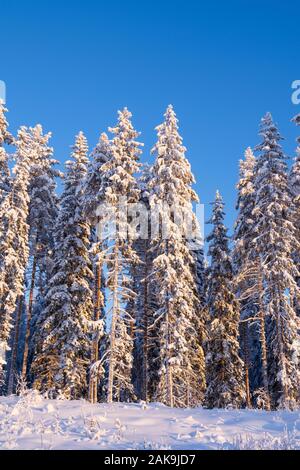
column 109, row 291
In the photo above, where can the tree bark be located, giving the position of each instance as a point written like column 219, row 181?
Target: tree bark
column 244, row 334
column 170, row 396
column 145, row 331
column 115, row 312
column 282, row 358
column 263, row 343
column 14, row 352
column 98, row 303
column 29, row 313
column 169, row 375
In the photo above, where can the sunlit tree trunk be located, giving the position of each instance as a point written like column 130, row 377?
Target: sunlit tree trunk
column 98, row 304
column 263, row 343
column 245, row 339
column 115, row 313
column 29, row 312
column 14, row 352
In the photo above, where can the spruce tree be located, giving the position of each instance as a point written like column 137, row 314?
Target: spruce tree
column 42, row 218
column 5, row 182
column 181, row 379
column 120, row 190
column 275, row 243
column 143, row 305
column 197, row 346
column 225, row 379
column 61, row 365
column 249, row 288
column 294, row 182
column 5, row 139
column 94, row 195
column 243, row 267
column 14, row 244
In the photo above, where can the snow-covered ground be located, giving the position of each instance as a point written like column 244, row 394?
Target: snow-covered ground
column 32, row 422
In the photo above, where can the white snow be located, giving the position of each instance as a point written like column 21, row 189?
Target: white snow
column 32, row 422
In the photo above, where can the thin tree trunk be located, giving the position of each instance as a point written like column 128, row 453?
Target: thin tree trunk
column 14, row 352
column 282, row 359
column 170, row 397
column 98, row 303
column 145, row 333
column 29, row 313
column 188, row 393
column 244, row 333
column 115, row 313
column 131, row 330
column 263, row 343
column 145, row 362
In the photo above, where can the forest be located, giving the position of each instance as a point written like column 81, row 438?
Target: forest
column 102, row 304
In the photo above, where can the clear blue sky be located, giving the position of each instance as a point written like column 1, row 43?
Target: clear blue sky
column 70, row 65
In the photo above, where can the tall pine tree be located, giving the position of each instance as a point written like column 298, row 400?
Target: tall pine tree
column 244, row 268
column 14, row 246
column 294, row 181
column 181, row 378
column 5, row 139
column 274, row 245
column 94, row 195
column 61, row 365
column 225, row 379
column 120, row 190
column 143, row 305
column 42, row 219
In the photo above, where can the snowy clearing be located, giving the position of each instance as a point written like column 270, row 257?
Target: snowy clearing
column 32, row 422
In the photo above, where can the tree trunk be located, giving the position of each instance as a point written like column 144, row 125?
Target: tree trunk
column 145, row 362
column 244, row 334
column 263, row 343
column 145, row 333
column 282, row 358
column 170, row 396
column 188, row 393
column 29, row 313
column 98, row 304
column 115, row 313
column 14, row 352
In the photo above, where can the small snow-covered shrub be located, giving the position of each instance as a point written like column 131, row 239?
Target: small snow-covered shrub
column 286, row 441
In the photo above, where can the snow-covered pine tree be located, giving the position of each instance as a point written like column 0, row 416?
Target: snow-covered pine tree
column 199, row 267
column 61, row 366
column 226, row 386
column 198, row 341
column 172, row 276
column 143, row 305
column 275, row 243
column 294, row 181
column 94, row 195
column 121, row 189
column 42, row 217
column 95, row 185
column 5, row 139
column 5, row 181
column 243, row 266
column 249, row 288
column 14, row 244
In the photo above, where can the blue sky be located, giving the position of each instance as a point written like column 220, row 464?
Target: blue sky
column 71, row 65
